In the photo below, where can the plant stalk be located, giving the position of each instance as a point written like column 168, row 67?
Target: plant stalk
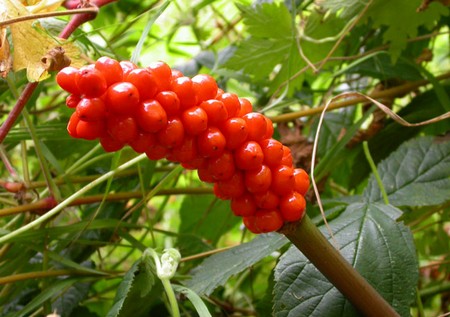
column 313, row 244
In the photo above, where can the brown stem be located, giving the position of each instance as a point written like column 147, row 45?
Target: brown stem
column 43, row 274
column 313, row 244
column 392, row 92
column 44, row 204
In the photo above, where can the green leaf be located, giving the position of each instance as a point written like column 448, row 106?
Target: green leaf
column 416, row 174
column 137, row 292
column 199, row 305
column 207, row 217
column 345, row 8
column 394, row 14
column 218, row 268
column 267, row 20
column 380, row 249
column 71, row 299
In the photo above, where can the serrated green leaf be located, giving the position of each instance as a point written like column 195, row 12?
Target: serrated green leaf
column 139, row 285
column 403, row 21
column 416, row 174
column 380, row 249
column 207, row 217
column 345, row 8
column 259, row 56
column 218, row 268
column 267, row 20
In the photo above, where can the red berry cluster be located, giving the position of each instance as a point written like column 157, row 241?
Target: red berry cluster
column 159, row 111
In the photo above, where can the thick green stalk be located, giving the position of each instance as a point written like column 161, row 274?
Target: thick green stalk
column 313, row 244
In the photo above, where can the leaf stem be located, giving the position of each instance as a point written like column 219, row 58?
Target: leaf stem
column 375, row 172
column 313, row 244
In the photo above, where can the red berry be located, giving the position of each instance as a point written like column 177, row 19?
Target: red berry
column 163, row 74
column 283, row 180
column 67, row 79
column 91, row 109
column 176, row 74
column 250, row 223
column 91, row 130
column 235, row 132
column 246, row 107
column 156, row 152
column 256, row 125
column 195, row 120
column 72, row 101
column 287, row 157
column 269, row 128
column 266, row 200
column 231, row 102
column 127, row 67
column 258, row 180
column 91, row 82
column 184, row 89
column 122, row 98
column 110, row 68
column 249, row 156
column 204, row 175
column 186, row 152
column 211, row 143
column 170, row 102
column 222, row 167
column 143, row 142
column 268, row 220
column 230, row 188
column 111, row 145
column 292, row 206
column 72, row 125
column 301, row 181
column 243, row 206
column 273, row 151
column 122, row 128
column 144, row 81
column 173, row 134
column 205, row 87
column 216, row 111
column 151, row 116
column 194, row 164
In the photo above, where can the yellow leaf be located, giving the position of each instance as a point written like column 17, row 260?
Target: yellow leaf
column 30, row 40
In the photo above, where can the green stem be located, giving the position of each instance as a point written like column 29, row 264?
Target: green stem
column 171, row 297
column 375, row 172
column 313, row 244
column 53, row 212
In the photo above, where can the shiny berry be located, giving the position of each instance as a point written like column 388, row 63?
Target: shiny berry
column 211, row 143
column 184, row 89
column 156, row 152
column 127, row 67
column 283, row 180
column 273, row 151
column 244, row 205
column 256, row 125
column 67, row 79
column 258, row 180
column 266, row 200
column 205, row 87
column 144, row 81
column 235, row 131
column 268, row 220
column 173, row 134
column 111, row 145
column 287, row 156
column 292, row 206
column 170, row 102
column 91, row 82
column 122, row 98
column 91, row 109
column 195, row 120
column 231, row 103
column 142, row 142
column 122, row 128
column 110, row 68
column 91, row 130
column 72, row 125
column 72, row 101
column 249, row 156
column 230, row 188
column 222, row 167
column 162, row 73
column 301, row 181
column 216, row 111
column 246, row 107
column 204, row 175
column 151, row 116
column 184, row 153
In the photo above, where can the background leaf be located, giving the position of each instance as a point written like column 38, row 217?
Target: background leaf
column 416, row 174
